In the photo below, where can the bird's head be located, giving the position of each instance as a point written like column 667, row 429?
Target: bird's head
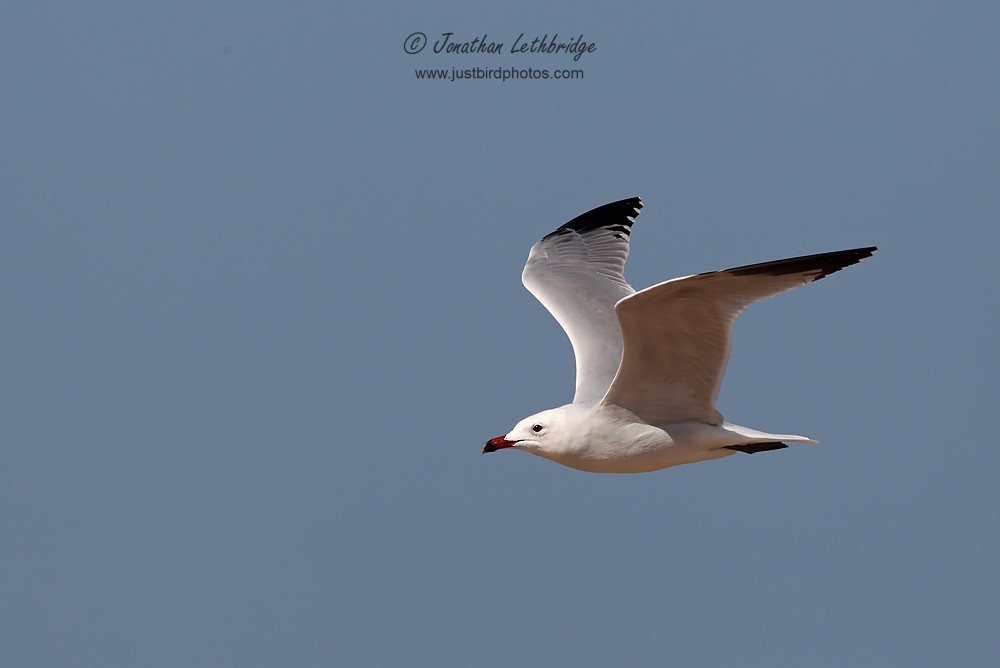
column 544, row 434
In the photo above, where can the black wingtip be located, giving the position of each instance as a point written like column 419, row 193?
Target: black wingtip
column 617, row 216
column 754, row 448
column 823, row 263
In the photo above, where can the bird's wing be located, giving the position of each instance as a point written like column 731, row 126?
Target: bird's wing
column 677, row 334
column 576, row 273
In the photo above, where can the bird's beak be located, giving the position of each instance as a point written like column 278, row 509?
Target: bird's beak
column 498, row 443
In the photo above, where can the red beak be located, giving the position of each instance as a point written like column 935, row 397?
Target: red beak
column 498, row 443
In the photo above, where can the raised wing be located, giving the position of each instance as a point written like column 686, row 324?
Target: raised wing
column 576, row 273
column 677, row 334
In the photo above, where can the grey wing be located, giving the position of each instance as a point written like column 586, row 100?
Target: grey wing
column 576, row 273
column 677, row 334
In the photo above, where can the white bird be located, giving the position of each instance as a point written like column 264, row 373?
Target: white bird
column 649, row 364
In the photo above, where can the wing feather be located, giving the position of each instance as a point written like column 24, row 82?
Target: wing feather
column 576, row 272
column 677, row 334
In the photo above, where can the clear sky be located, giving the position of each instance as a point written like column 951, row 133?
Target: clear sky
column 261, row 303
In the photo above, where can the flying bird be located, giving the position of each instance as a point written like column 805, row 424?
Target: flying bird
column 649, row 364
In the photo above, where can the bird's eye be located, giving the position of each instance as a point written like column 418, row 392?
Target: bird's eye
column 536, row 428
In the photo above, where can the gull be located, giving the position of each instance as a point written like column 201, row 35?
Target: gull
column 649, row 364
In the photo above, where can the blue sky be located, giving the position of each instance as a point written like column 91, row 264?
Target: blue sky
column 262, row 308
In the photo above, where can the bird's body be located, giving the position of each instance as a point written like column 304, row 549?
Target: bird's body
column 649, row 363
column 605, row 438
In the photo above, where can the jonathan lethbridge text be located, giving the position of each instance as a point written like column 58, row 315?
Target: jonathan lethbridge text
column 575, row 46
